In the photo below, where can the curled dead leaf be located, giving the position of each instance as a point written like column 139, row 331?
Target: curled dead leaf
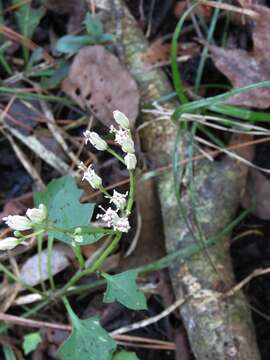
column 243, row 68
column 98, row 82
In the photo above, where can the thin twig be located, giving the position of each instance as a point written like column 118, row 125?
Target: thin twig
column 151, row 320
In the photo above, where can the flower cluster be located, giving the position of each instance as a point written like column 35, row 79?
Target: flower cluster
column 19, row 223
column 124, row 139
column 122, row 136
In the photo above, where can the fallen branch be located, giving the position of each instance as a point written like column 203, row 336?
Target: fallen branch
column 218, row 328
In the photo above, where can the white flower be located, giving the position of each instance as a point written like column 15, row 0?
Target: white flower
column 18, row 222
column 8, row 243
column 130, row 161
column 118, row 199
column 123, row 138
column 95, row 140
column 90, row 175
column 122, row 224
column 111, row 217
column 37, row 216
column 121, row 119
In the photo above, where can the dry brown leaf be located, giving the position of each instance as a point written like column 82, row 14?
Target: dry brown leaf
column 258, row 187
column 18, row 205
column 243, row 68
column 98, row 82
column 159, row 52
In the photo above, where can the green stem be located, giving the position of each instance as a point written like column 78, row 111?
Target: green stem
column 131, row 194
column 49, row 263
column 104, row 255
column 78, row 254
column 79, row 274
column 112, row 152
column 86, row 230
column 39, row 249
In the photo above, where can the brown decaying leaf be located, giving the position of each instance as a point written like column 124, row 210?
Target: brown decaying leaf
column 17, row 205
column 98, row 82
column 159, row 52
column 243, row 68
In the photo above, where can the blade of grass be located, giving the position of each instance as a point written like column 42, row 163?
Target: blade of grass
column 205, row 103
column 177, row 81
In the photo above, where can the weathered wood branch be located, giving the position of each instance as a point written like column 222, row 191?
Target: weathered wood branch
column 217, row 328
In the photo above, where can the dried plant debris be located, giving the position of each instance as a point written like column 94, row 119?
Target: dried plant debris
column 98, row 82
column 243, row 68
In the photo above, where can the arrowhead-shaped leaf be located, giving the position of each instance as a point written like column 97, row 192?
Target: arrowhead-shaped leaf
column 88, row 341
column 62, row 199
column 125, row 355
column 123, row 288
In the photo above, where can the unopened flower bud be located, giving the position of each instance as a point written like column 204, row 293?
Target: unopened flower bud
column 95, row 140
column 121, row 119
column 130, row 161
column 8, row 243
column 37, row 215
column 18, row 222
column 77, row 235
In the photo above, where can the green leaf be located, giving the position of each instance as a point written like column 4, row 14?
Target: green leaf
column 70, row 44
column 28, row 18
column 62, row 199
column 123, row 288
column 88, row 340
column 125, row 355
column 30, row 342
column 93, row 26
column 56, row 77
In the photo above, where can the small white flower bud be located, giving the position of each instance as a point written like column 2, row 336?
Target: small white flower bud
column 77, row 235
column 130, row 161
column 95, row 140
column 90, row 175
column 37, row 215
column 18, row 222
column 121, row 119
column 8, row 243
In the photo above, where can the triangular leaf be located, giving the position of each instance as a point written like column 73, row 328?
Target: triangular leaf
column 123, row 288
column 88, row 341
column 125, row 355
column 62, row 199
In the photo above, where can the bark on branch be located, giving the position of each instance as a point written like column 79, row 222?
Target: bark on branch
column 217, row 328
